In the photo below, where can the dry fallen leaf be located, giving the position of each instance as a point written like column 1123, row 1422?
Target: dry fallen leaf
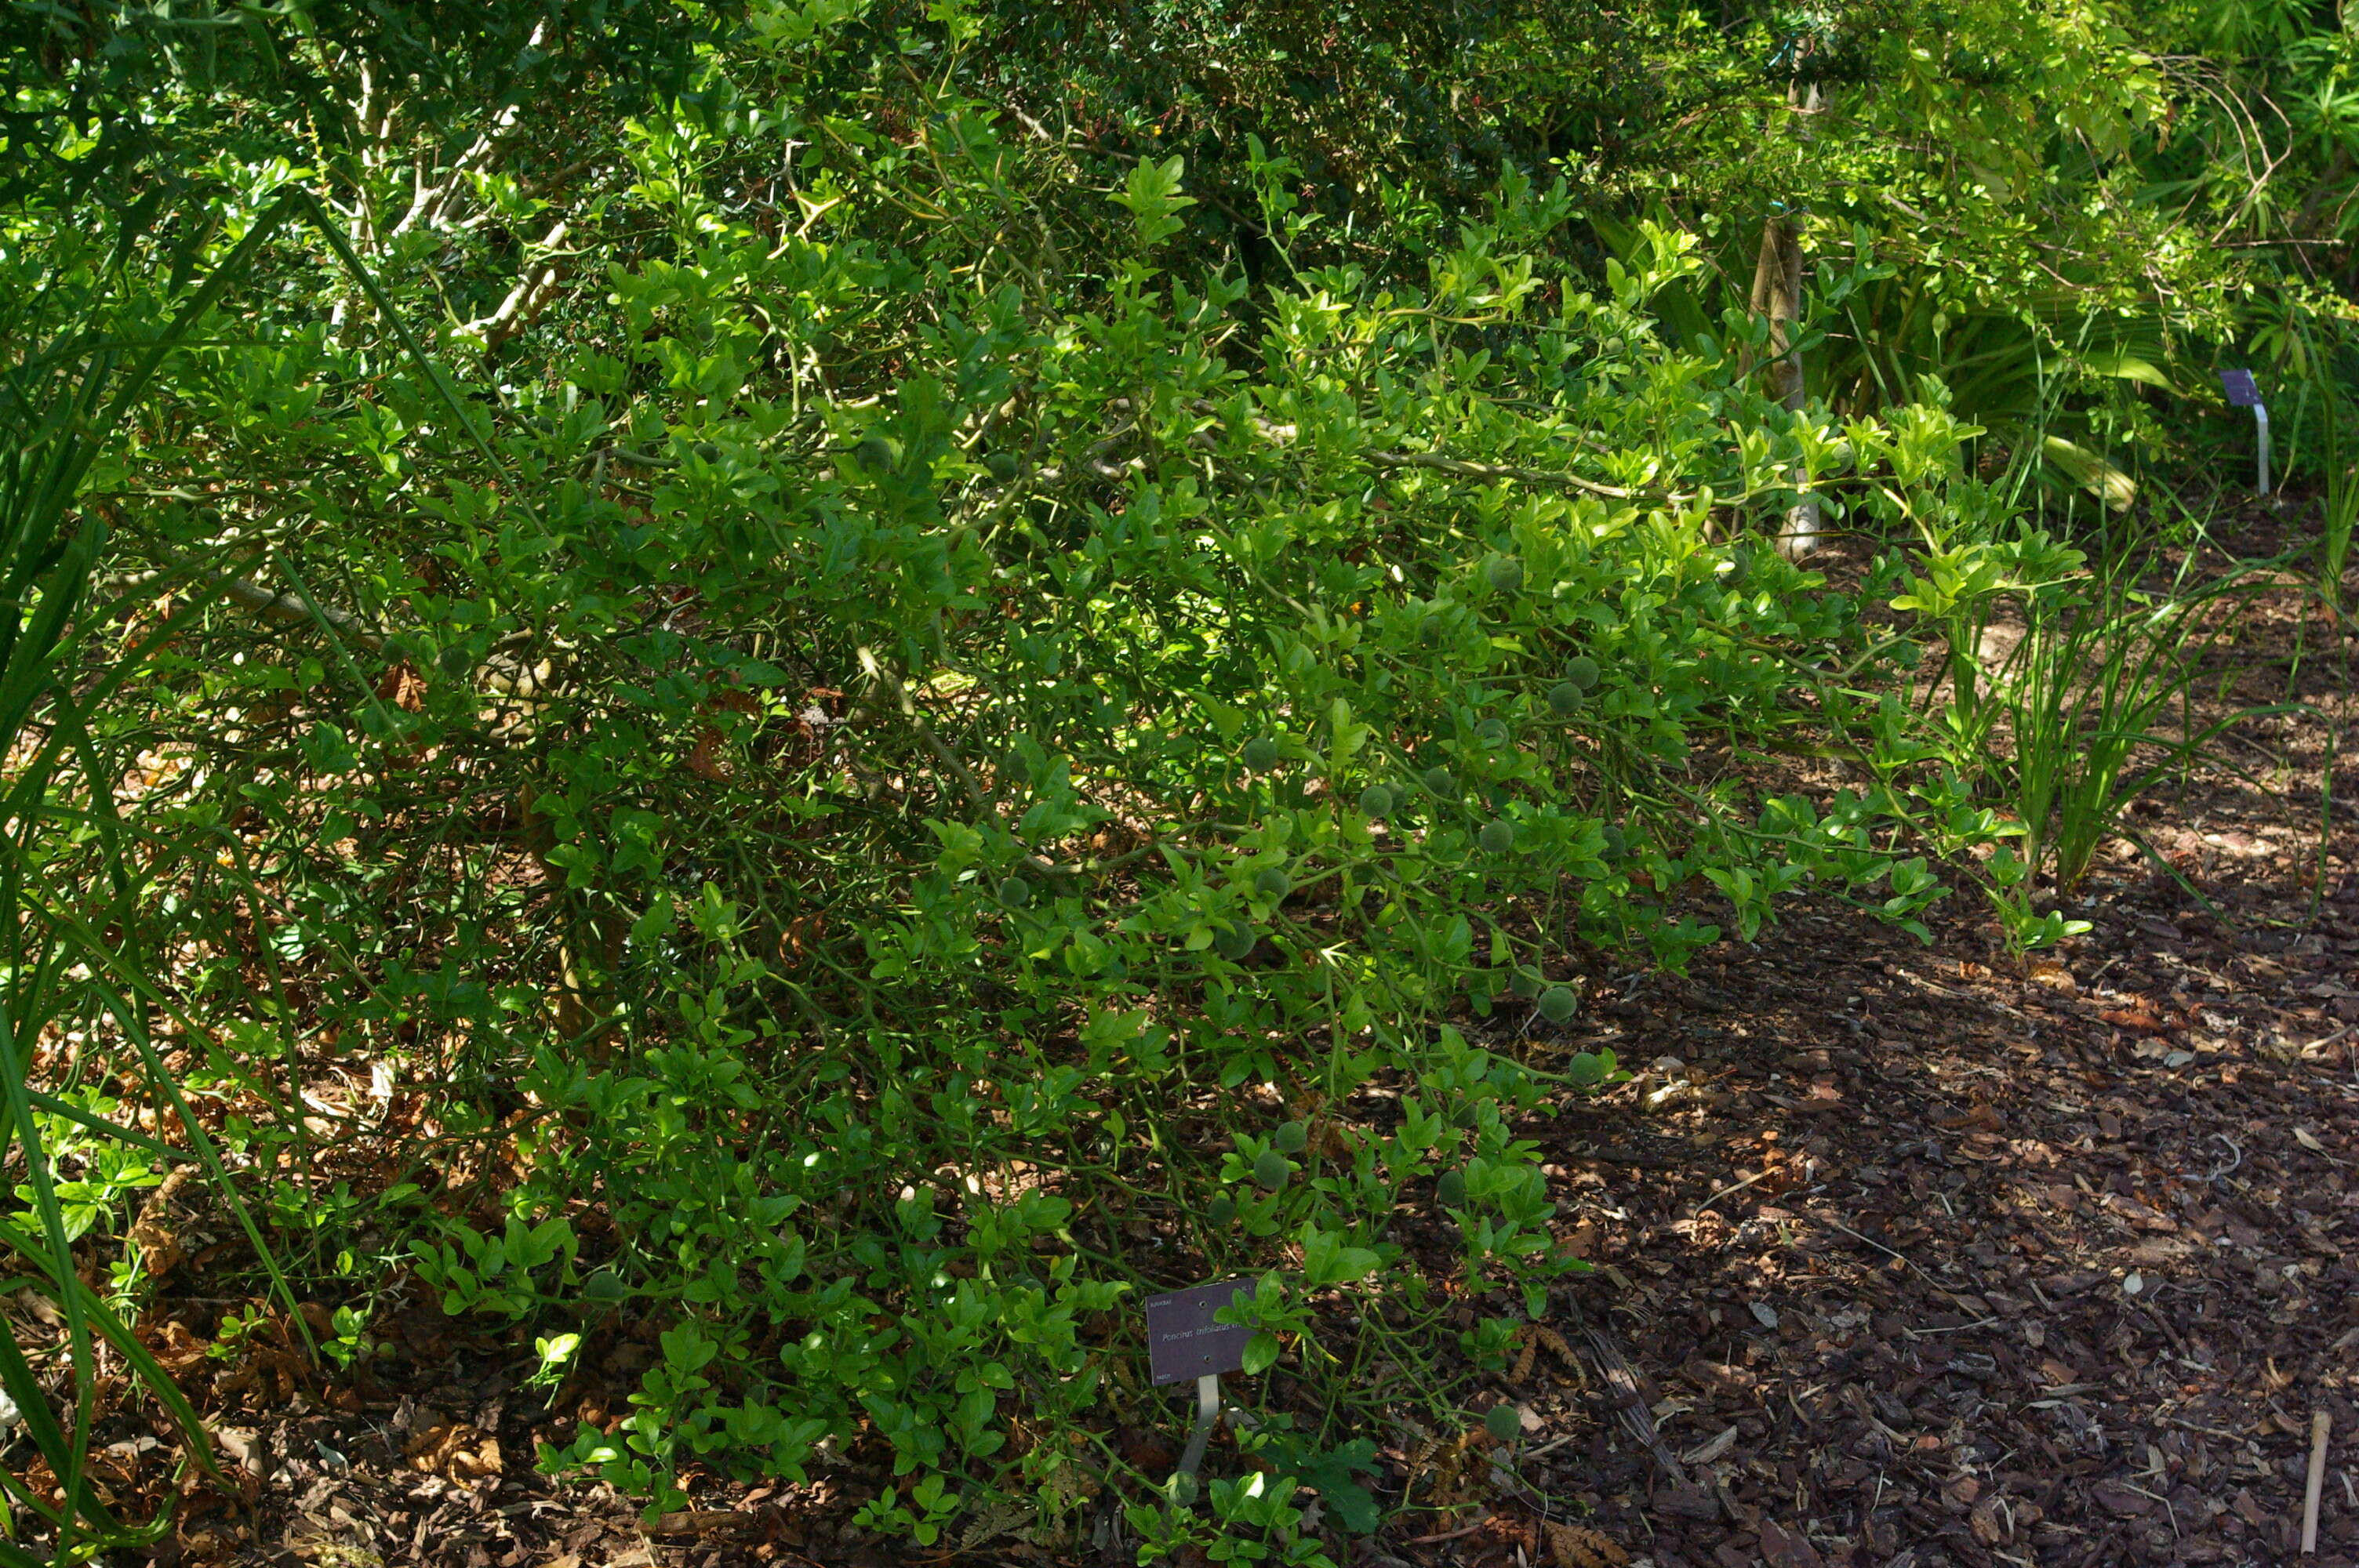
column 1577, row 1546
column 153, row 1233
column 2309, row 1140
column 455, row 1450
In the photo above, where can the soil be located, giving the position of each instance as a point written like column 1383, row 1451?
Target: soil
column 1906, row 1255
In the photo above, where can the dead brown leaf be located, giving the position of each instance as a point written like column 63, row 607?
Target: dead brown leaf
column 455, row 1451
column 1578, row 1546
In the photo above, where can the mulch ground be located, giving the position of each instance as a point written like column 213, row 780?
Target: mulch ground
column 1906, row 1255
column 2047, row 1271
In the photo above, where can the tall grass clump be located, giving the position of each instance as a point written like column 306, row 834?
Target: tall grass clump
column 2065, row 691
column 80, row 344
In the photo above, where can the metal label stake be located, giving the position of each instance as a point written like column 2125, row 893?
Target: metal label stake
column 1208, row 1416
column 1183, row 1342
column 2243, row 394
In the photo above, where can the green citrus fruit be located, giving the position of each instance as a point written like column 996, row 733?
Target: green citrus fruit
column 877, row 455
column 1439, row 782
column 1505, row 574
column 1270, row 1170
column 1556, row 1003
column 1377, row 800
column 1271, row 882
column 1016, row 893
column 1504, row 1423
column 1527, row 982
column 1234, row 942
column 1496, row 838
column 1565, row 698
column 1491, row 732
column 1617, row 843
column 1582, row 671
column 1290, row 1138
column 1261, row 754
column 1220, row 1212
column 1003, row 466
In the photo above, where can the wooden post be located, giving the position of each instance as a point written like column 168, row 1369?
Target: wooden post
column 1778, row 298
column 2318, row 1423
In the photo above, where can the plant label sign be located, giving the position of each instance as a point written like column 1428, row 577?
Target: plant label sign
column 2243, row 394
column 1182, row 1340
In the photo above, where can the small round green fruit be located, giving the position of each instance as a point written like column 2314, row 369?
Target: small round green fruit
column 1234, row 942
column 1617, row 842
column 1496, row 838
column 1377, row 800
column 1270, row 1170
column 1557, row 1004
column 1580, row 671
column 1527, row 982
column 1504, row 1423
column 1271, row 882
column 1221, row 1213
column 1291, row 1138
column 1439, row 782
column 1564, row 697
column 1505, row 574
column 1491, row 732
column 1450, row 1191
column 1016, row 893
column 1002, row 466
column 1261, row 754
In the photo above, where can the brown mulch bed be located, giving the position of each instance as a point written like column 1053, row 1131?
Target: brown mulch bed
column 2043, row 1271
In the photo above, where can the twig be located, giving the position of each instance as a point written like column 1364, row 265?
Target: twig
column 1450, row 1534
column 532, row 291
column 1730, row 1190
column 1870, row 1241
column 2157, row 1496
column 291, row 608
column 1458, row 466
column 2319, row 1424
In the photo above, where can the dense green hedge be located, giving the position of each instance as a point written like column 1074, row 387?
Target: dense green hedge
column 883, row 725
